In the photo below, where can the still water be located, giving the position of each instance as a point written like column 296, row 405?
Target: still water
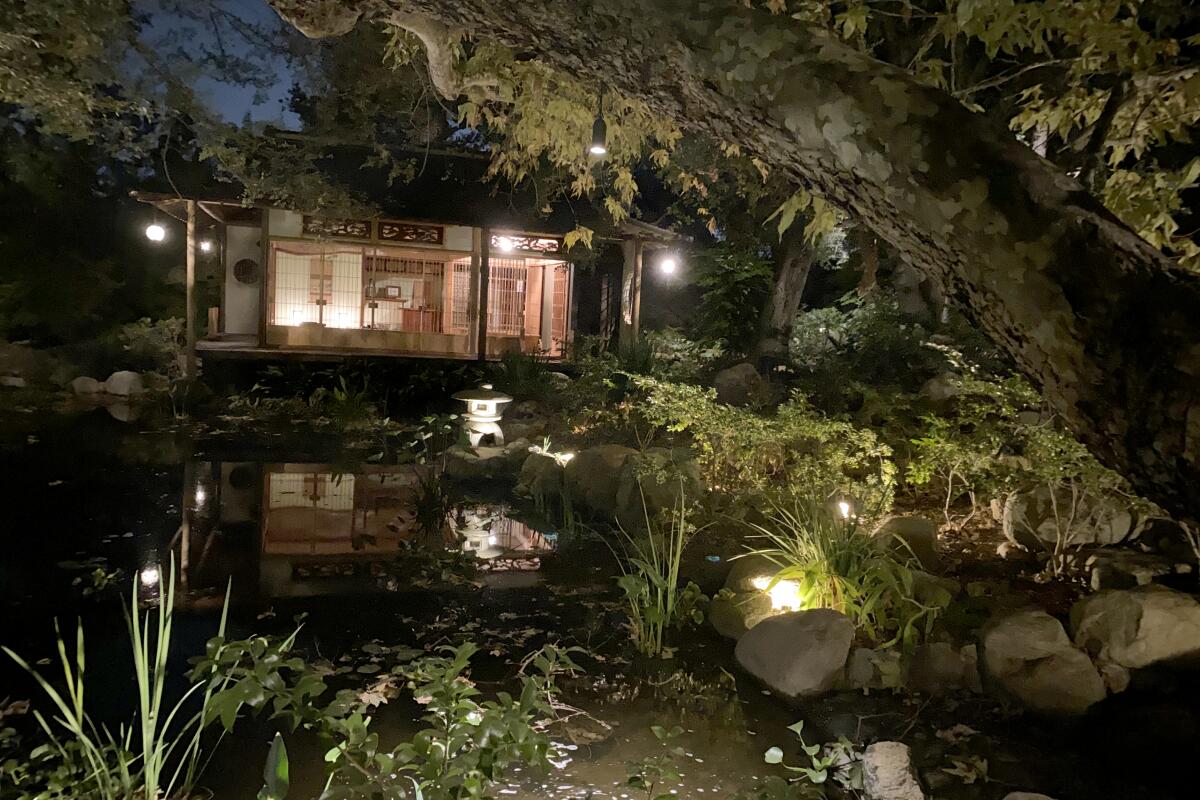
column 305, row 530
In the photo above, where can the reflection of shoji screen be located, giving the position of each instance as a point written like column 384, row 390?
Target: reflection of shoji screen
column 506, row 296
column 343, row 303
column 294, row 300
column 296, row 490
column 558, row 328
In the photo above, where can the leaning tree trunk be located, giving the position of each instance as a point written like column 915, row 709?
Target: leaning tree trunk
column 1102, row 322
column 793, row 262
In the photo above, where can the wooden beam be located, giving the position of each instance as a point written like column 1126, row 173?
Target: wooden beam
column 484, row 270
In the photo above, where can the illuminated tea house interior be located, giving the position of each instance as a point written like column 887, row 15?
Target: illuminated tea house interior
column 304, row 285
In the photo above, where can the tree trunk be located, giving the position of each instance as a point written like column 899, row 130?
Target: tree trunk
column 1102, row 322
column 868, row 256
column 793, row 262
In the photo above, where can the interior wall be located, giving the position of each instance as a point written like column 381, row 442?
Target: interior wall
column 241, row 299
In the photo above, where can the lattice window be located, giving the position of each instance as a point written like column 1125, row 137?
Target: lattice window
column 506, row 296
column 460, row 297
column 404, row 293
column 558, row 328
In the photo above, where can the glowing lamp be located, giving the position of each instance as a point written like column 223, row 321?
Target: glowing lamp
column 505, row 244
column 485, row 407
column 149, row 577
column 155, row 232
column 667, row 264
column 206, row 246
column 201, row 495
column 599, row 138
column 785, row 595
column 843, row 509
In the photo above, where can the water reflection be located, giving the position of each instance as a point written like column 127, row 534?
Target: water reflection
column 299, row 529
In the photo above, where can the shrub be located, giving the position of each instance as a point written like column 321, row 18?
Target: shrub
column 524, row 376
column 837, row 564
column 733, row 280
column 742, row 453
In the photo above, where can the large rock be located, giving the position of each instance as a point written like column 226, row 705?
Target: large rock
column 653, row 480
column 1122, row 568
column 1029, row 519
column 912, row 537
column 740, row 385
column 124, row 384
column 748, row 573
column 594, row 476
column 888, row 773
column 938, row 668
column 1026, row 796
column 731, row 615
column 541, row 478
column 798, row 654
column 1138, row 627
column 1028, row 656
column 86, row 385
column 486, row 463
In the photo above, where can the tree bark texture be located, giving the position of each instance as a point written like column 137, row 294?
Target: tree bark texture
column 792, row 264
column 1102, row 322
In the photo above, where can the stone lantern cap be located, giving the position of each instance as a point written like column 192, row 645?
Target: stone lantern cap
column 484, row 393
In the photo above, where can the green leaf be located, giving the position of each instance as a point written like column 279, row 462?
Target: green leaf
column 773, row 756
column 275, row 773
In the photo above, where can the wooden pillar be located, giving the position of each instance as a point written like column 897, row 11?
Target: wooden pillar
column 189, row 369
column 485, row 247
column 639, row 250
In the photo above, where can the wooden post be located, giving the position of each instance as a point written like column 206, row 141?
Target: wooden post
column 189, row 369
column 639, row 249
column 485, row 247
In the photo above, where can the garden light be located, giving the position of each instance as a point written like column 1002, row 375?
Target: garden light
column 785, row 595
column 155, row 232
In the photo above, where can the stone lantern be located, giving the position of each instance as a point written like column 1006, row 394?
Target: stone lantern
column 485, row 407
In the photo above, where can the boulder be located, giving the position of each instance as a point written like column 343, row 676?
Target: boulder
column 1029, row 657
column 486, row 463
column 1029, row 519
column 888, row 773
column 1138, row 627
column 1121, row 568
column 124, row 384
column 941, row 388
column 740, row 385
column 1026, row 796
column 748, row 573
column 798, row 654
column 594, row 476
column 653, row 480
column 939, row 668
column 85, row 385
column 732, row 615
column 12, row 381
column 912, row 536
column 873, row 669
column 541, row 477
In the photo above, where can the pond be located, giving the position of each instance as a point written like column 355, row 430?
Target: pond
column 299, row 528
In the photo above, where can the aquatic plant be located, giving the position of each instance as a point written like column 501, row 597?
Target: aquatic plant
column 160, row 753
column 650, row 578
column 653, row 774
column 838, row 564
column 838, row 762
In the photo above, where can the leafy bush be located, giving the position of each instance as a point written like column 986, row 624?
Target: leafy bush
column 744, row 454
column 734, row 280
column 998, row 437
column 161, row 346
column 524, row 376
column 838, row 564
